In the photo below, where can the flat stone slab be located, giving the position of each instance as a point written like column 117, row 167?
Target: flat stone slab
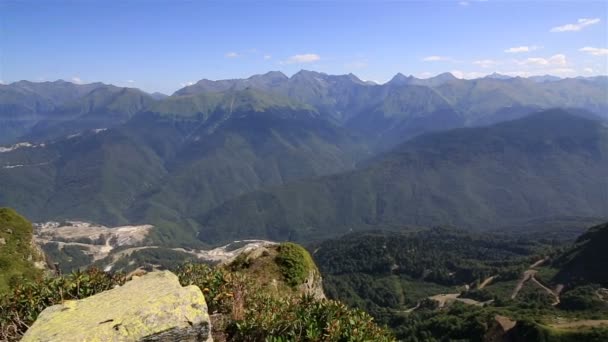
column 154, row 307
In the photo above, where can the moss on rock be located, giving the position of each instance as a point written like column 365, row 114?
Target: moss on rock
column 295, row 263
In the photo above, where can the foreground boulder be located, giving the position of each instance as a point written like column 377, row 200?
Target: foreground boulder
column 154, row 307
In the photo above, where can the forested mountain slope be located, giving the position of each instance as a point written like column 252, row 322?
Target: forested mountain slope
column 549, row 164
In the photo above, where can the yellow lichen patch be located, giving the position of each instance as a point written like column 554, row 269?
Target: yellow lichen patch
column 145, row 306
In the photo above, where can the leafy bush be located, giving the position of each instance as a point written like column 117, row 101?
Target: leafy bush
column 295, row 263
column 582, row 298
column 304, row 319
column 251, row 313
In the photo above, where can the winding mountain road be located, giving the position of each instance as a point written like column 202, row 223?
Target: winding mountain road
column 530, row 275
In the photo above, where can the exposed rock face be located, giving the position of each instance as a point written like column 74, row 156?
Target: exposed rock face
column 260, row 262
column 499, row 329
column 313, row 285
column 154, row 307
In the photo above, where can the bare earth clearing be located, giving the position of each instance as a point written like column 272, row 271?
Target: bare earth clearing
column 581, row 324
column 100, row 241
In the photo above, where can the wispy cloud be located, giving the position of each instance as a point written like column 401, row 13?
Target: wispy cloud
column 187, row 83
column 130, row 81
column 231, row 55
column 267, row 57
column 588, row 70
column 436, row 58
column 76, row 80
column 465, row 3
column 594, row 51
column 485, row 63
column 579, row 25
column 555, row 60
column 303, row 58
column 520, row 49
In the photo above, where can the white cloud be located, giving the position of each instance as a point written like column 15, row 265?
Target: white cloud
column 588, row 70
column 436, row 58
column 555, row 60
column 563, row 72
column 558, row 59
column 304, row 58
column 536, row 61
column 425, row 74
column 485, row 63
column 267, row 57
column 185, row 84
column 76, row 80
column 231, row 55
column 580, row 24
column 2, row 82
column 464, row 3
column 130, row 81
column 594, row 51
column 520, row 49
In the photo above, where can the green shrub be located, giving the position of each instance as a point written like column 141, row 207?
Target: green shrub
column 254, row 314
column 295, row 263
column 304, row 319
column 582, row 298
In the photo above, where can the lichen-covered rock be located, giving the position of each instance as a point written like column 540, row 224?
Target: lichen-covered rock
column 313, row 285
column 154, row 307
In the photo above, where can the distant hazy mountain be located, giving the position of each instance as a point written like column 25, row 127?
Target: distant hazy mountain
column 498, row 76
column 24, row 103
column 544, row 78
column 105, row 106
column 546, row 165
column 346, row 100
column 30, row 110
column 158, row 96
column 384, row 115
column 404, row 112
column 270, row 80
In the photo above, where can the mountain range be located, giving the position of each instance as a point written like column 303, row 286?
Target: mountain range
column 243, row 157
column 399, row 109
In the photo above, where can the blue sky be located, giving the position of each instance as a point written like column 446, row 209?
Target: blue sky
column 163, row 45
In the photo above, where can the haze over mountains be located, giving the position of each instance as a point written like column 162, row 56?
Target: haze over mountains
column 546, row 165
column 118, row 155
